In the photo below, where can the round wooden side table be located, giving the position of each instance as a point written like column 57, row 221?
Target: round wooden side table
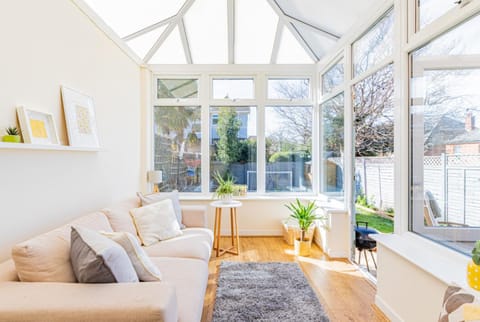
column 235, row 247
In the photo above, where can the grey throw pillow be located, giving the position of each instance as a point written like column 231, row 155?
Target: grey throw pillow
column 160, row 196
column 98, row 259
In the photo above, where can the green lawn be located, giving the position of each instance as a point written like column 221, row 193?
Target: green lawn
column 381, row 224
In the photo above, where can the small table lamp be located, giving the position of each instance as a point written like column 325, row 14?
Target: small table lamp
column 154, row 177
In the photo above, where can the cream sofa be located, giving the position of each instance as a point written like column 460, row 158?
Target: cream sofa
column 183, row 262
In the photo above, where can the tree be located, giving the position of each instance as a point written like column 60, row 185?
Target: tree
column 228, row 127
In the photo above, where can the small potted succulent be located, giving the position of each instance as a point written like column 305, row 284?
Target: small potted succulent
column 226, row 187
column 13, row 136
column 305, row 215
column 473, row 268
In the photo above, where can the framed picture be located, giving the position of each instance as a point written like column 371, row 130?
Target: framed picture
column 79, row 118
column 37, row 127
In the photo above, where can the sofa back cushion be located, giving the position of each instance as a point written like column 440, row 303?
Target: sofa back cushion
column 119, row 217
column 46, row 258
column 8, row 272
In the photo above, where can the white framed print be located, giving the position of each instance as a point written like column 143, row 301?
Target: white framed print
column 79, row 118
column 37, row 127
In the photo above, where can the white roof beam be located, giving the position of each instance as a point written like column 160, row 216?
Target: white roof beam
column 183, row 10
column 186, row 46
column 276, row 42
column 293, row 30
column 324, row 32
column 149, row 28
column 231, row 31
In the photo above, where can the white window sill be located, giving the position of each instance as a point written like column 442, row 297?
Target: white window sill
column 266, row 197
column 439, row 261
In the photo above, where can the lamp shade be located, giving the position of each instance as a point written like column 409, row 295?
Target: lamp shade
column 154, row 176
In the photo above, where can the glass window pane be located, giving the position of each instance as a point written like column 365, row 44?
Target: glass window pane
column 332, row 143
column 233, row 145
column 177, row 150
column 374, row 46
column 231, row 88
column 288, row 139
column 430, row 10
column 177, row 88
column 445, row 144
column 171, row 51
column 141, row 45
column 207, row 37
column 255, row 27
column 333, row 77
column 290, row 89
column 373, row 129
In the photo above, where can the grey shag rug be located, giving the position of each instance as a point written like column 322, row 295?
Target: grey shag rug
column 265, row 292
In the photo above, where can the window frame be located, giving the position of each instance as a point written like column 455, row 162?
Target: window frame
column 176, row 101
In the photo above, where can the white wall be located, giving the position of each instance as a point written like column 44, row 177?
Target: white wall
column 46, row 44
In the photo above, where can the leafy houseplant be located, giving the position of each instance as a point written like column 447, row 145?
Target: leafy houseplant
column 12, row 136
column 305, row 216
column 473, row 268
column 226, row 187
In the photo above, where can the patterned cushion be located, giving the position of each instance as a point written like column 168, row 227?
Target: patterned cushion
column 459, row 305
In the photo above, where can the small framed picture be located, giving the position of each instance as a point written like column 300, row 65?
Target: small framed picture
column 37, row 127
column 80, row 118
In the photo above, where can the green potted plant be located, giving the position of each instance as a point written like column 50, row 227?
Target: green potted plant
column 226, row 187
column 13, row 136
column 473, row 268
column 305, row 215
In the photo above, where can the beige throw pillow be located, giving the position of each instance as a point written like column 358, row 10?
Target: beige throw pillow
column 159, row 196
column 146, row 270
column 156, row 222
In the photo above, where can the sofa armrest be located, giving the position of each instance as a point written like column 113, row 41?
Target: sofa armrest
column 194, row 216
column 152, row 301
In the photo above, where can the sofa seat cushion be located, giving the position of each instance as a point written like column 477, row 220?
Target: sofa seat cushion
column 190, row 277
column 119, row 217
column 74, row 302
column 194, row 243
column 46, row 257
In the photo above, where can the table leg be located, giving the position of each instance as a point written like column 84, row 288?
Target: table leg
column 215, row 227
column 232, row 231
column 219, row 228
column 236, row 230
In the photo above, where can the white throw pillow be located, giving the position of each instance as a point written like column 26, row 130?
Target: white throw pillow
column 159, row 196
column 146, row 270
column 156, row 222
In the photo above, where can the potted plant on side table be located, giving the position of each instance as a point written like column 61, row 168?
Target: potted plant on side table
column 13, row 136
column 473, row 268
column 305, row 215
column 225, row 189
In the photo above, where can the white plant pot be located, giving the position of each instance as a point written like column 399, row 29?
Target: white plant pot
column 226, row 198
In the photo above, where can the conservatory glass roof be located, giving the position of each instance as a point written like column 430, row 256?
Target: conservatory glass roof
column 229, row 31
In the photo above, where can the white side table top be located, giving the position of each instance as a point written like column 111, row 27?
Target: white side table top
column 221, row 204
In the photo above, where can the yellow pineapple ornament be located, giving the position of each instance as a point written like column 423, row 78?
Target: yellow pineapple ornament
column 473, row 268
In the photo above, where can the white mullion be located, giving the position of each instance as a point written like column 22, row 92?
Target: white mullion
column 276, row 42
column 186, row 45
column 261, row 93
column 322, row 31
column 349, row 146
column 337, row 91
column 294, row 31
column 205, row 127
column 147, row 124
column 231, row 30
column 316, row 130
column 149, row 28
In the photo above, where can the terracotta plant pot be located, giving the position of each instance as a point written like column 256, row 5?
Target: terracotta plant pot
column 473, row 275
column 302, row 247
column 11, row 138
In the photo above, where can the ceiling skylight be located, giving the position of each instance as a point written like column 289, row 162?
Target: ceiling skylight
column 128, row 16
column 228, row 31
column 290, row 51
column 255, row 27
column 171, row 51
column 207, row 31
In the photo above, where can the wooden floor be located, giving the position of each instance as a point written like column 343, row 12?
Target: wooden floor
column 343, row 291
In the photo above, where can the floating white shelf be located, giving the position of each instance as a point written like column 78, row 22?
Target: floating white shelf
column 53, row 147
